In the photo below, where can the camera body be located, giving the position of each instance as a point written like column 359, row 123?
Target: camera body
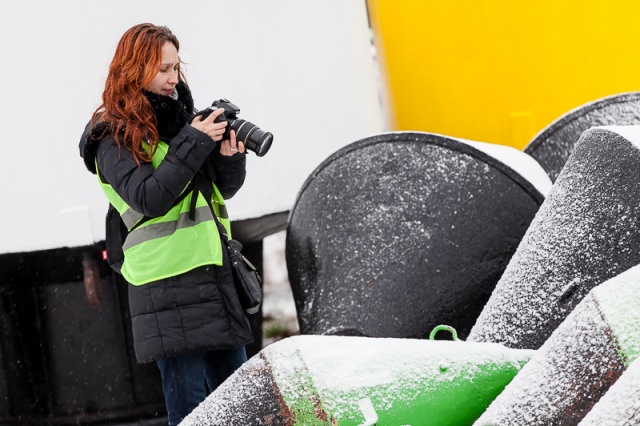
column 231, row 112
column 252, row 136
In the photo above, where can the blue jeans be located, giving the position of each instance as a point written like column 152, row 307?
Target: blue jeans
column 188, row 379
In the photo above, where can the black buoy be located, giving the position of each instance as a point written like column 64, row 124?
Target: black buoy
column 553, row 145
column 586, row 232
column 397, row 233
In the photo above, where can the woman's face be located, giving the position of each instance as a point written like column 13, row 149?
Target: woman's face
column 167, row 77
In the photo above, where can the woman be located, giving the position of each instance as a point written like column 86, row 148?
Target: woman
column 165, row 173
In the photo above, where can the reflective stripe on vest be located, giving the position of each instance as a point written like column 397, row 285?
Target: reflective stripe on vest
column 171, row 244
column 164, row 229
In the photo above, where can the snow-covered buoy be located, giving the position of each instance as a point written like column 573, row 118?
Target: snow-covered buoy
column 329, row 380
column 553, row 145
column 586, row 232
column 621, row 404
column 399, row 232
column 581, row 360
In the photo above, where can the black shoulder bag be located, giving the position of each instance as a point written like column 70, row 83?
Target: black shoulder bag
column 246, row 278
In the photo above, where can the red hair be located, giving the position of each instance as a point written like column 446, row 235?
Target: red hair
column 125, row 108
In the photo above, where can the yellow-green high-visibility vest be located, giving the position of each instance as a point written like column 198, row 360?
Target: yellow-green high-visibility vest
column 171, row 244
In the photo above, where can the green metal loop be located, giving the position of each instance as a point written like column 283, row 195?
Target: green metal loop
column 454, row 334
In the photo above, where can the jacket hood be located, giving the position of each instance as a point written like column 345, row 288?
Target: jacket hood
column 89, row 142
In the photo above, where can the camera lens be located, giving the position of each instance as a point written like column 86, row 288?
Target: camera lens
column 254, row 138
column 262, row 141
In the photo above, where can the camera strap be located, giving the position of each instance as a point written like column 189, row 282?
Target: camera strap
column 200, row 185
column 203, row 186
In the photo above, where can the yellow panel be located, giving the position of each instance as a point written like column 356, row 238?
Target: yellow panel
column 501, row 70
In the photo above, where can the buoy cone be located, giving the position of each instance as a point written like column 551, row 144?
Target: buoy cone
column 331, row 380
column 586, row 231
column 399, row 232
column 581, row 360
column 553, row 145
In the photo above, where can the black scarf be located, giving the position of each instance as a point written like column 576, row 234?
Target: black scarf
column 171, row 114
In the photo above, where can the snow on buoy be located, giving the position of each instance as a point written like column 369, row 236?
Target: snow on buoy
column 621, row 404
column 396, row 233
column 329, row 380
column 581, row 360
column 552, row 146
column 586, row 232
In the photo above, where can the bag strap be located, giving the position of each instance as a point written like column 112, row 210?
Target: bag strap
column 203, row 186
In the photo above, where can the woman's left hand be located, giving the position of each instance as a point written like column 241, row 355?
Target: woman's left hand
column 230, row 146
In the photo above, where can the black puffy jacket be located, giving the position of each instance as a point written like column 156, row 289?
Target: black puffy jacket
column 199, row 310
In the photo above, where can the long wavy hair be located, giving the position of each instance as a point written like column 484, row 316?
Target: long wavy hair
column 125, row 108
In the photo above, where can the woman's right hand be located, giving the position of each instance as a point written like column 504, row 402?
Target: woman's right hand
column 214, row 130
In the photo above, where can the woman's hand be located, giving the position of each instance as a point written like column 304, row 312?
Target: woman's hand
column 213, row 130
column 230, row 147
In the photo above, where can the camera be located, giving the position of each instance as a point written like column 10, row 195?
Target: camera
column 254, row 138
